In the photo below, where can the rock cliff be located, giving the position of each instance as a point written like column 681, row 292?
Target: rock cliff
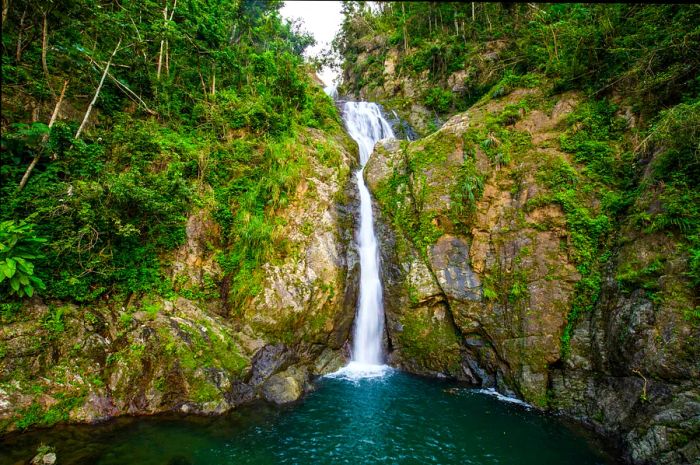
column 502, row 269
column 191, row 351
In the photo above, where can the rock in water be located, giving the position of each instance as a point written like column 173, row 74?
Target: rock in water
column 44, row 458
column 281, row 389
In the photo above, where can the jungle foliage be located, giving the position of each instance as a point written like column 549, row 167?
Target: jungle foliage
column 648, row 50
column 201, row 107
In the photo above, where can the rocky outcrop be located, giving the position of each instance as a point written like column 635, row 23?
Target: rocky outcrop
column 633, row 369
column 188, row 350
column 480, row 271
column 499, row 287
column 380, row 74
column 310, row 297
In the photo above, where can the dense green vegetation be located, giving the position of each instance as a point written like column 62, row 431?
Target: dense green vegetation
column 633, row 140
column 647, row 50
column 205, row 105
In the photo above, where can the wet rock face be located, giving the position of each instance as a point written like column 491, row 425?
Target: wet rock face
column 286, row 386
column 48, row 458
column 270, row 359
column 449, row 257
column 633, row 372
column 307, row 297
column 486, row 299
column 499, row 286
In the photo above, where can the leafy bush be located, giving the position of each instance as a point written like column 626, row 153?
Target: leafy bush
column 469, row 188
column 19, row 247
column 438, row 99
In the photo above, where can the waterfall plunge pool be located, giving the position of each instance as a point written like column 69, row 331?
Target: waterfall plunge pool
column 363, row 414
column 396, row 418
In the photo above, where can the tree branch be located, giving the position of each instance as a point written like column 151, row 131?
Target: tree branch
column 44, row 46
column 123, row 87
column 31, row 166
column 97, row 92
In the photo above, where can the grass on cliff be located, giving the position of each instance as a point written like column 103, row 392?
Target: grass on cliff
column 593, row 138
column 605, row 190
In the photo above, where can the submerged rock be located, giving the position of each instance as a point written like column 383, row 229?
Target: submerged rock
column 286, row 386
column 47, row 458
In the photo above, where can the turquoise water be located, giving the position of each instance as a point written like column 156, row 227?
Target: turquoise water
column 397, row 419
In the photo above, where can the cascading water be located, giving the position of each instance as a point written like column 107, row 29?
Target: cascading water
column 366, row 125
column 331, row 91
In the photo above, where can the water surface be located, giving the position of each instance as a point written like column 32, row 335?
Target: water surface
column 394, row 419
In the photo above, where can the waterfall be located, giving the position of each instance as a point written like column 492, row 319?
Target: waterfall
column 366, row 125
column 331, row 91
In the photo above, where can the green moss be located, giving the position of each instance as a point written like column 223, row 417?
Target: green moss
column 490, row 294
column 467, row 191
column 438, row 99
column 633, row 276
column 413, row 295
column 511, row 81
column 518, row 289
column 125, row 320
column 398, row 204
column 10, row 311
column 203, row 391
column 36, row 415
column 593, row 137
column 207, row 289
column 500, row 143
column 692, row 315
column 215, row 350
column 539, row 399
column 432, row 343
column 404, row 197
column 54, row 322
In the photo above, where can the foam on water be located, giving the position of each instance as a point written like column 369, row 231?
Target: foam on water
column 354, row 371
column 494, row 393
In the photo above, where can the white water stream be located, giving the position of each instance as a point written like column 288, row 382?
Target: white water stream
column 366, row 125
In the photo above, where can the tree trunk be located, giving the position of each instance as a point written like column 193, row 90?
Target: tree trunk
column 18, row 55
column 163, row 42
column 172, row 12
column 405, row 39
column 97, row 92
column 233, row 34
column 5, row 10
column 204, row 86
column 31, row 166
column 167, row 59
column 44, row 46
column 554, row 36
column 167, row 48
column 160, row 59
column 213, row 80
column 129, row 93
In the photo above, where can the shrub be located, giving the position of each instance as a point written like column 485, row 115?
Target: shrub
column 19, row 246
